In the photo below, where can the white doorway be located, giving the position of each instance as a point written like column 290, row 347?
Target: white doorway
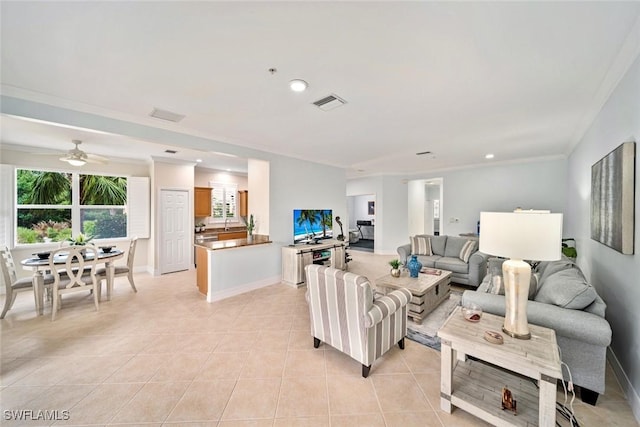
column 433, row 199
column 174, row 232
column 362, row 218
column 426, row 206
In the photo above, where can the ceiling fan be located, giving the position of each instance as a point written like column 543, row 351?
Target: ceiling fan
column 77, row 157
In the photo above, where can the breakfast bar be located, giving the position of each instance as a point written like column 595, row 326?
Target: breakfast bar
column 229, row 267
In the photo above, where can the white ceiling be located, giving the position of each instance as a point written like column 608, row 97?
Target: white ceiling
column 517, row 79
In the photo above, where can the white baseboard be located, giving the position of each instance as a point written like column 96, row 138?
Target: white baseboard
column 228, row 293
column 631, row 394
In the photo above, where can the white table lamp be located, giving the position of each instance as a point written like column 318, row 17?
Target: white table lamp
column 520, row 235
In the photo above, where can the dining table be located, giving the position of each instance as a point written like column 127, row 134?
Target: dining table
column 41, row 265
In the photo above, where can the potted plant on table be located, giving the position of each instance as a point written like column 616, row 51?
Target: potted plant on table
column 250, row 226
column 80, row 240
column 395, row 267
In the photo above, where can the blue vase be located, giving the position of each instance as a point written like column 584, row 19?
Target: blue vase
column 414, row 266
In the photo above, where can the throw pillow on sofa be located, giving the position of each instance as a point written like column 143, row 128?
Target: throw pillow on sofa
column 420, row 245
column 566, row 288
column 467, row 249
column 454, row 246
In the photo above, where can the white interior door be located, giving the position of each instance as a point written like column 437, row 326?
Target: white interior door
column 174, row 238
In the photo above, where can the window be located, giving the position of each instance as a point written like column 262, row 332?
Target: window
column 224, row 202
column 53, row 206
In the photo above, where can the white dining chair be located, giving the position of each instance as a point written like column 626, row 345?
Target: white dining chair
column 78, row 273
column 120, row 270
column 12, row 284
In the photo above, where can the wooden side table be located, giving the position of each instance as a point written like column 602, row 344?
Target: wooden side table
column 476, row 385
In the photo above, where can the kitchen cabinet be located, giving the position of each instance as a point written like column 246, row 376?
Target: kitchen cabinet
column 244, row 203
column 228, row 235
column 202, row 270
column 202, row 201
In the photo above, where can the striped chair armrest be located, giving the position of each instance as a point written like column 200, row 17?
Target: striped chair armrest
column 386, row 305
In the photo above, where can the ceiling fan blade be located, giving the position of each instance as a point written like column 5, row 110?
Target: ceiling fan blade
column 94, row 158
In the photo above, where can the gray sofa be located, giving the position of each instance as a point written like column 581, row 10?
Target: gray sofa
column 446, row 256
column 563, row 301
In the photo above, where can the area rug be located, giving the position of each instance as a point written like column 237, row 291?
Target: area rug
column 425, row 333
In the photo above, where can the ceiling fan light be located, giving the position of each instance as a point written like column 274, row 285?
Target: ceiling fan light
column 298, row 85
column 76, row 162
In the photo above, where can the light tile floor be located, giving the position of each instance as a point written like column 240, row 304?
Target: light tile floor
column 163, row 356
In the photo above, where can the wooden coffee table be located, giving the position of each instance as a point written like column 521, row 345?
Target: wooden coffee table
column 427, row 290
column 475, row 385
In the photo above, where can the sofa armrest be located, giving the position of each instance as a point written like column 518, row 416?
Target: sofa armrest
column 477, row 268
column 404, row 251
column 574, row 324
column 387, row 305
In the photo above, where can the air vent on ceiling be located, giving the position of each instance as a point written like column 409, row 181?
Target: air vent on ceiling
column 329, row 102
column 166, row 115
column 170, row 151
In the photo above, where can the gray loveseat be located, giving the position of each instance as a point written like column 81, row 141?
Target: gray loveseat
column 445, row 255
column 561, row 299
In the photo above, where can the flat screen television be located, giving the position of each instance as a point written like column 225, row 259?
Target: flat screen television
column 310, row 226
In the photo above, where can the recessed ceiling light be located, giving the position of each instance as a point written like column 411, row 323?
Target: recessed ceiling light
column 298, row 85
column 199, row 160
column 489, row 156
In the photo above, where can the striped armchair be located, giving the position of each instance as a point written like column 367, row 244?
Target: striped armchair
column 345, row 315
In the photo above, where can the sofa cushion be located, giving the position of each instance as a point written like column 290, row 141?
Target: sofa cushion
column 566, row 288
column 547, row 268
column 438, row 244
column 453, row 264
column 428, row 261
column 467, row 249
column 420, row 245
column 454, row 246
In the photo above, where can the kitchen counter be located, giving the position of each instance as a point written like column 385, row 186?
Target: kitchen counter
column 214, row 245
column 224, row 273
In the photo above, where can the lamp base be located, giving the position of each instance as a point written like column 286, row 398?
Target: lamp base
column 526, row 336
column 517, row 275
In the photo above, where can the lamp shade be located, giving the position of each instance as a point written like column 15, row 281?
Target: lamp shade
column 530, row 235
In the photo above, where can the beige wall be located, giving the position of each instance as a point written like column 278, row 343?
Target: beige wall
column 204, row 176
column 168, row 176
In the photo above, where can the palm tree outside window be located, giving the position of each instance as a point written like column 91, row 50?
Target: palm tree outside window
column 53, row 206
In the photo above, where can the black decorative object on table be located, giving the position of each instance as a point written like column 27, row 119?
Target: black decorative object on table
column 341, row 236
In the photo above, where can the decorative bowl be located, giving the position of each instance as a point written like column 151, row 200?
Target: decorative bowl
column 43, row 255
column 472, row 312
column 106, row 249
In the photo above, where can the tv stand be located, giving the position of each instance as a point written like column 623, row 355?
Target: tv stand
column 296, row 257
